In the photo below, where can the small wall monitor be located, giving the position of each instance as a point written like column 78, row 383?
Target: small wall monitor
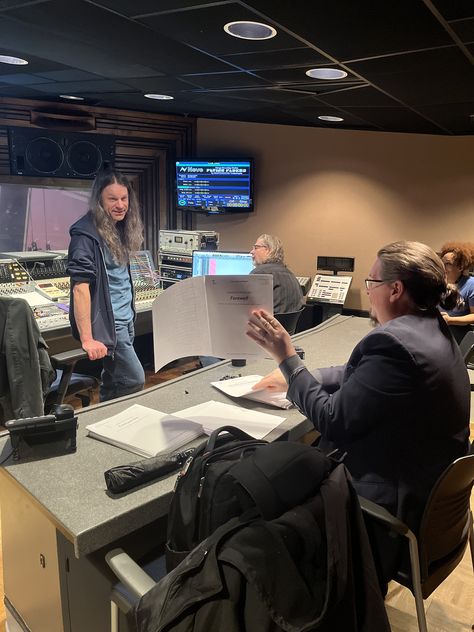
column 220, row 262
column 214, row 186
column 335, row 264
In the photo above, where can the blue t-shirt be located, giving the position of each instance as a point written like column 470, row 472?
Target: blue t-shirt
column 120, row 288
column 465, row 287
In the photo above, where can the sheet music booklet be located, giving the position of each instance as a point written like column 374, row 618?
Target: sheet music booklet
column 145, row 431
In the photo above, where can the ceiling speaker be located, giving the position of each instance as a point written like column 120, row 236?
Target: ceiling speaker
column 34, row 152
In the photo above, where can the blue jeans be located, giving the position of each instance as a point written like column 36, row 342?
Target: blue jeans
column 122, row 373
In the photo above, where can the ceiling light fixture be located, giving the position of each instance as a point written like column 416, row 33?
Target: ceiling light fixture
column 250, row 30
column 159, row 97
column 331, row 119
column 71, row 97
column 326, row 73
column 16, row 61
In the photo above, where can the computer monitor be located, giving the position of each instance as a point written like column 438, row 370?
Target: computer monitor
column 220, row 262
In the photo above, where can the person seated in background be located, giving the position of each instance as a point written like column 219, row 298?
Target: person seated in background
column 268, row 257
column 458, row 259
column 398, row 412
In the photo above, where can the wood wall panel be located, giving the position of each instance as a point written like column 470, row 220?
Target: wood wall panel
column 146, row 146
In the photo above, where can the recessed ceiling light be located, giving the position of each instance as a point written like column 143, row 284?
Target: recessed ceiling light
column 331, row 119
column 16, row 61
column 159, row 97
column 250, row 30
column 71, row 97
column 326, row 73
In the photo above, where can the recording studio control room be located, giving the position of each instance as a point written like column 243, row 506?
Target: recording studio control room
column 236, row 316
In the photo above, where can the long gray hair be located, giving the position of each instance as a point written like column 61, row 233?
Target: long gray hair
column 275, row 248
column 421, row 271
column 123, row 237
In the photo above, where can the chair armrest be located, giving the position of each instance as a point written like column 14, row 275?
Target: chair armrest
column 382, row 515
column 68, row 357
column 129, row 572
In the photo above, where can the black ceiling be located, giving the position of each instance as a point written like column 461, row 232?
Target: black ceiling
column 410, row 63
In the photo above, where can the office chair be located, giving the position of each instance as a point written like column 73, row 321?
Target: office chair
column 446, row 528
column 67, row 382
column 289, row 320
column 467, row 349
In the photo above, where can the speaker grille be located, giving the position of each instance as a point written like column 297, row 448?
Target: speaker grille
column 39, row 153
column 84, row 158
column 44, row 155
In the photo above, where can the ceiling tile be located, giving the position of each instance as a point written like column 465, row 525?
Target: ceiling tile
column 204, row 29
column 455, row 10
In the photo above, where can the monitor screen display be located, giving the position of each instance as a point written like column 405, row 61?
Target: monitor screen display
column 214, row 185
column 219, row 262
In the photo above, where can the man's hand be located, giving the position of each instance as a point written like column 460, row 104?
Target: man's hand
column 274, row 381
column 94, row 349
column 269, row 334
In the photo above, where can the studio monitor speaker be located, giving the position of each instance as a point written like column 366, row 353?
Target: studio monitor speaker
column 41, row 153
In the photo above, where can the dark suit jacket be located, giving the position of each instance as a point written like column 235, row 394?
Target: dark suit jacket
column 399, row 410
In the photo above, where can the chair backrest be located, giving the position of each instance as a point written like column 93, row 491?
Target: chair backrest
column 289, row 320
column 467, row 347
column 446, row 522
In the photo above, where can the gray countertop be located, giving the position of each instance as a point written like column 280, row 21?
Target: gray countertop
column 70, row 489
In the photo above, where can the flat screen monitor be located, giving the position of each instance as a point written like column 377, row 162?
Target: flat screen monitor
column 214, row 186
column 220, row 262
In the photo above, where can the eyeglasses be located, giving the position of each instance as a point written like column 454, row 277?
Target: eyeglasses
column 255, row 246
column 368, row 282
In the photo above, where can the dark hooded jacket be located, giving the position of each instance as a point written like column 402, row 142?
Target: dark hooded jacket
column 311, row 569
column 86, row 263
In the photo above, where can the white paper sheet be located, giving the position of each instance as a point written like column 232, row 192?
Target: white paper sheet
column 145, row 431
column 212, row 415
column 242, row 387
column 208, row 315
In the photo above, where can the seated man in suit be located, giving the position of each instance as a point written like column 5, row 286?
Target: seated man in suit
column 268, row 257
column 398, row 411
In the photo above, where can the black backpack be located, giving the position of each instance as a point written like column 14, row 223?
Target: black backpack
column 232, row 474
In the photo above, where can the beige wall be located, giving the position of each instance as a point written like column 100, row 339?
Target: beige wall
column 344, row 193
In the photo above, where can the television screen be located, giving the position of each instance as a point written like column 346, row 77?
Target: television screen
column 220, row 262
column 214, row 185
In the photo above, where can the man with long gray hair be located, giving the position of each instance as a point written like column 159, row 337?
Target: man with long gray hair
column 101, row 311
column 269, row 258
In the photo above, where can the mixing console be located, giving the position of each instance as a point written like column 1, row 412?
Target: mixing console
column 144, row 297
column 55, row 289
column 51, row 316
column 15, row 289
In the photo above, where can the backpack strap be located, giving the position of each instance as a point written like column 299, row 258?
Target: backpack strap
column 258, row 487
column 235, row 432
column 281, row 475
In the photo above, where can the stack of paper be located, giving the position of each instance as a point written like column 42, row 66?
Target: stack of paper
column 145, row 431
column 212, row 415
column 242, row 387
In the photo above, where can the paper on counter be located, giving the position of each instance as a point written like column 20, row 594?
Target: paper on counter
column 212, row 415
column 145, row 431
column 208, row 316
column 242, row 387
